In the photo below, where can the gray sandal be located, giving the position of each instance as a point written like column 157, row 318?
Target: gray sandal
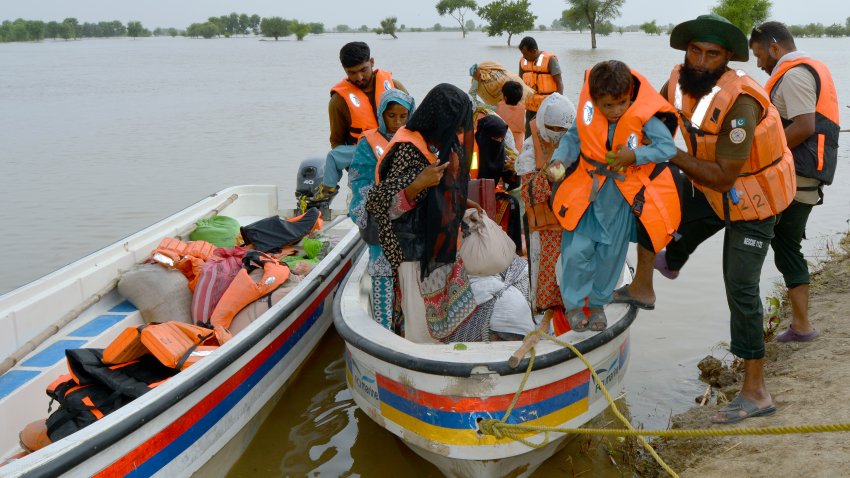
column 740, row 408
column 578, row 321
column 598, row 321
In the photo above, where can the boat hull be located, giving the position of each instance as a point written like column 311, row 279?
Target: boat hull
column 176, row 428
column 435, row 405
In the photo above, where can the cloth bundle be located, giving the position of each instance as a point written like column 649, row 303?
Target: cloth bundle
column 486, row 250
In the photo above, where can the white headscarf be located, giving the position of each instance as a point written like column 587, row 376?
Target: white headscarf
column 555, row 110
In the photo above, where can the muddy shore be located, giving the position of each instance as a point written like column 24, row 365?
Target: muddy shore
column 810, row 383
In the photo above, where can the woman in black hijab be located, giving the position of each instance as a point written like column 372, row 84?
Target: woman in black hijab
column 419, row 204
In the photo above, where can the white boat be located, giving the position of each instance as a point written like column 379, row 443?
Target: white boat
column 433, row 396
column 201, row 419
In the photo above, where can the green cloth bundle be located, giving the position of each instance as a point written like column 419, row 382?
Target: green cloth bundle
column 221, row 231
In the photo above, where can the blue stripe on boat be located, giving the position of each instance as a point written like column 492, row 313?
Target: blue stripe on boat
column 196, row 431
column 52, row 354
column 468, row 420
column 13, row 379
column 125, row 307
column 97, row 325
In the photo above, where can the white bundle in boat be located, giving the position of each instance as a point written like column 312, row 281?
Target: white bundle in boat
column 511, row 313
column 487, row 250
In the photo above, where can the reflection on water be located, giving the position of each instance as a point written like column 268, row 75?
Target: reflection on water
column 316, row 429
column 101, row 138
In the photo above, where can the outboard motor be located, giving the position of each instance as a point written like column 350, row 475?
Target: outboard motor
column 309, row 179
column 311, row 171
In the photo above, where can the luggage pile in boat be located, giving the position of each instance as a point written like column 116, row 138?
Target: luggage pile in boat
column 193, row 297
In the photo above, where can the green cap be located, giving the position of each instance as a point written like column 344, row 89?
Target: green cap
column 713, row 29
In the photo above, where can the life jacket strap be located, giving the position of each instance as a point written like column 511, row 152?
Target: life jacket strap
column 600, row 169
column 188, row 353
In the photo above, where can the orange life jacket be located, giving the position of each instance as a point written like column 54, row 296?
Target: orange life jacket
column 514, row 116
column 473, row 165
column 540, row 215
column 650, row 189
column 362, row 113
column 404, row 135
column 187, row 257
column 243, row 290
column 536, row 75
column 767, row 183
column 176, row 345
column 376, row 141
column 817, row 156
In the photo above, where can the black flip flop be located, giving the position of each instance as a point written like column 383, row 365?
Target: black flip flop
column 622, row 296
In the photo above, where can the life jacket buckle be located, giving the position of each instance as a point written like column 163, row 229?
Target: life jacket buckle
column 637, row 205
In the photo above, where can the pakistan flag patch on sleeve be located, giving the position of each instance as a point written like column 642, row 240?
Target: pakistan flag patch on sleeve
column 738, row 123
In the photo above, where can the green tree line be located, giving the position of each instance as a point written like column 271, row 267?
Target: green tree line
column 234, row 24
column 71, row 29
column 243, row 24
column 501, row 16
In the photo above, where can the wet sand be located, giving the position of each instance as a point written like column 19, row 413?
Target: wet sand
column 809, row 383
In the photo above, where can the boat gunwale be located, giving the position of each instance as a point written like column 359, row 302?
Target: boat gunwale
column 431, row 366
column 78, row 453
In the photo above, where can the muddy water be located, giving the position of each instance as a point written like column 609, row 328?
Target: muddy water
column 100, row 138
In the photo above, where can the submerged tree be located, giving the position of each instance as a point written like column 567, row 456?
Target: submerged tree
column 595, row 13
column 299, row 29
column 573, row 20
column 135, row 29
column 206, row 30
column 387, row 27
column 507, row 17
column 745, row 14
column 70, row 28
column 650, row 28
column 275, row 27
column 457, row 9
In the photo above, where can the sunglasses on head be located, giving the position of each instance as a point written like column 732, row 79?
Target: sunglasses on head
column 758, row 30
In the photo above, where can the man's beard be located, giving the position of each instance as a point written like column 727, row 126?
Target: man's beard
column 697, row 83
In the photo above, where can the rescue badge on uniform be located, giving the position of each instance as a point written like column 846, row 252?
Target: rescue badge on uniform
column 737, row 135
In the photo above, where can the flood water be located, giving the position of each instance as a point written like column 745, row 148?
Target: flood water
column 100, row 138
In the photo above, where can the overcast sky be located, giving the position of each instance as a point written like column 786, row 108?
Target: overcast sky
column 421, row 13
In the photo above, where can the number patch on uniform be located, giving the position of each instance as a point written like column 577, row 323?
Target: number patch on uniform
column 737, row 135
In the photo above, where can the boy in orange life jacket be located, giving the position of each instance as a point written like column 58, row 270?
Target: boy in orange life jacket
column 618, row 107
column 510, row 110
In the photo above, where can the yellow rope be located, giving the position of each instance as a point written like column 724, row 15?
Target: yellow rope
column 495, row 428
column 518, row 432
column 501, row 429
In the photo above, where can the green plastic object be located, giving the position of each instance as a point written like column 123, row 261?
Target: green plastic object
column 220, row 231
column 312, row 247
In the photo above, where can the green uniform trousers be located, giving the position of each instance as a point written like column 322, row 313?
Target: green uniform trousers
column 787, row 245
column 745, row 246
